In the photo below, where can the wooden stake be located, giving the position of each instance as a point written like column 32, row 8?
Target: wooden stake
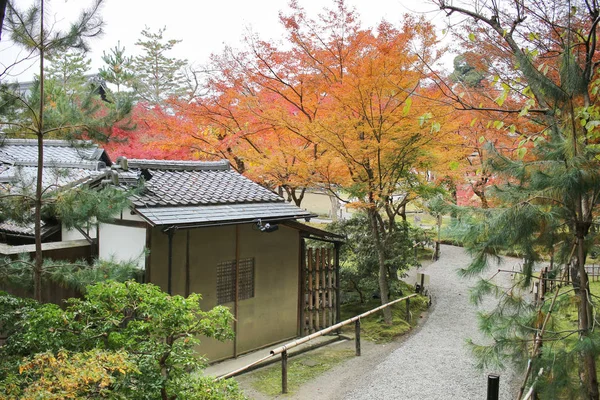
column 357, row 336
column 317, row 297
column 284, row 371
column 324, row 290
column 311, row 310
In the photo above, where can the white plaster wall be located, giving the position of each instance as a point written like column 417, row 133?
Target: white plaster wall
column 73, row 234
column 122, row 243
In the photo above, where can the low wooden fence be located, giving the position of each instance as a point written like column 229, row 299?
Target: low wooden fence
column 283, row 350
column 593, row 272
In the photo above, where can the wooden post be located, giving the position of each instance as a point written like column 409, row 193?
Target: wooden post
column 330, row 286
column 493, row 387
column 436, row 253
column 357, row 336
column 317, row 297
column 338, row 314
column 408, row 318
column 187, row 263
column 170, row 234
column 302, row 326
column 236, row 308
column 284, row 371
column 324, row 285
column 311, row 311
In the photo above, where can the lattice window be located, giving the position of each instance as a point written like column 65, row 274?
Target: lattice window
column 226, row 280
column 246, row 279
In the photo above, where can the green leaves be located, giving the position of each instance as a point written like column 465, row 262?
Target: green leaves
column 77, row 206
column 157, row 76
column 151, row 334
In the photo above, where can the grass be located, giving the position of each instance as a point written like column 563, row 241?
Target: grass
column 301, row 369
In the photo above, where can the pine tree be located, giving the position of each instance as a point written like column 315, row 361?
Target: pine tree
column 157, row 76
column 67, row 119
column 544, row 55
column 68, row 70
column 118, row 68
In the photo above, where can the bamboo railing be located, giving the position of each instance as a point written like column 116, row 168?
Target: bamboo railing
column 284, row 349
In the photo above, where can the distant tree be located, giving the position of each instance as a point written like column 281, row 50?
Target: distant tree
column 68, row 70
column 118, row 68
column 359, row 256
column 158, row 77
column 466, row 73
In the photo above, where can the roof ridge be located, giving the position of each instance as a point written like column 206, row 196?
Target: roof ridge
column 179, row 165
column 83, row 164
column 47, row 142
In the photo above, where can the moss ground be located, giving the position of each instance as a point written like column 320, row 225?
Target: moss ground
column 373, row 327
column 301, row 369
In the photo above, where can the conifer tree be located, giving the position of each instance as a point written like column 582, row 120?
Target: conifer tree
column 40, row 118
column 545, row 57
column 118, row 68
column 158, row 77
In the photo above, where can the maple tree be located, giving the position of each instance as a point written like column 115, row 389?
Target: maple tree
column 337, row 105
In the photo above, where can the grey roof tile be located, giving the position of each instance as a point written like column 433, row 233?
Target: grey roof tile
column 65, row 163
column 188, row 188
column 22, row 179
column 221, row 214
column 201, row 193
column 24, row 151
column 14, row 228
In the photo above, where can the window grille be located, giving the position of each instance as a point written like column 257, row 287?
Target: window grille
column 226, row 280
column 246, row 277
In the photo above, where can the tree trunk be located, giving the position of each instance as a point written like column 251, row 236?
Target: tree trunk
column 403, row 212
column 335, row 208
column 589, row 362
column 383, row 283
column 3, row 4
column 37, row 268
column 297, row 198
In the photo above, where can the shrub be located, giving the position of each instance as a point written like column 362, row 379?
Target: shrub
column 155, row 333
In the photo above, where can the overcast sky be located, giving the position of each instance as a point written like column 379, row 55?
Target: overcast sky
column 204, row 26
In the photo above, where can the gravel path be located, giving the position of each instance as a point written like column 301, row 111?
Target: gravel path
column 435, row 363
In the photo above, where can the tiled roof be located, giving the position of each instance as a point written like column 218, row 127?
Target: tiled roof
column 58, row 152
column 179, row 165
column 65, row 163
column 208, row 183
column 222, row 213
column 22, row 179
column 186, row 188
column 183, row 192
column 12, row 228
